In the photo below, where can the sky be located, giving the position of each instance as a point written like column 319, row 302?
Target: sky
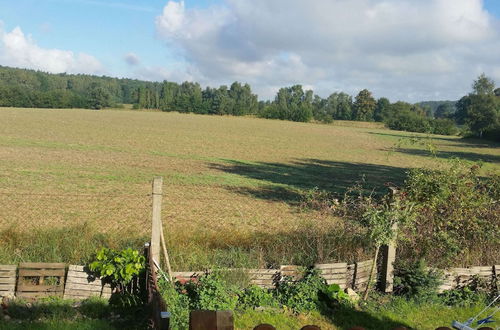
column 409, row 50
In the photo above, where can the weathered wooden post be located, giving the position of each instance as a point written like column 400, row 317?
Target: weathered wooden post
column 211, row 320
column 389, row 257
column 156, row 226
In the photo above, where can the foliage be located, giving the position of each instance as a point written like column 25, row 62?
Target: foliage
column 408, row 121
column 301, row 295
column 364, row 106
column 177, row 303
column 211, row 293
column 480, row 110
column 457, row 214
column 291, row 103
column 254, row 296
column 334, row 294
column 380, row 217
column 444, row 127
column 118, row 267
column 416, row 281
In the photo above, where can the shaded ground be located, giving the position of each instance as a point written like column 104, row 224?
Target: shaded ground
column 285, row 180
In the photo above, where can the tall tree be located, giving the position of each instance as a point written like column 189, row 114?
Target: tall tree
column 480, row 110
column 364, row 106
column 382, row 109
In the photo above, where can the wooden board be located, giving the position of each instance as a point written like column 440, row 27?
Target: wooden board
column 81, row 284
column 33, row 280
column 362, row 274
column 265, row 278
column 7, row 280
column 334, row 273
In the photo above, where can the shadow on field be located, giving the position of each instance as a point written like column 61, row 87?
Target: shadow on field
column 415, row 136
column 472, row 156
column 285, row 181
column 346, row 318
column 454, row 142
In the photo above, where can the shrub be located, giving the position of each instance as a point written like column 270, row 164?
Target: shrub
column 302, row 295
column 177, row 304
column 458, row 215
column 118, row 267
column 409, row 121
column 416, row 281
column 254, row 296
column 444, row 127
column 210, row 292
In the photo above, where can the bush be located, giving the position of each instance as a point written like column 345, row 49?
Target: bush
column 302, row 295
column 409, row 121
column 458, row 215
column 177, row 304
column 416, row 281
column 444, row 127
column 210, row 292
column 254, row 296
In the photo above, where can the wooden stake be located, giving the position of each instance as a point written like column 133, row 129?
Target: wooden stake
column 165, row 253
column 156, row 227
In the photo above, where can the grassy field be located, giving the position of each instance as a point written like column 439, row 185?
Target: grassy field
column 397, row 313
column 228, row 181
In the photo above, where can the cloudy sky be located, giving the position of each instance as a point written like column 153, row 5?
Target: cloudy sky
column 409, row 50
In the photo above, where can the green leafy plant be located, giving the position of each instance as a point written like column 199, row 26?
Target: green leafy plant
column 210, row 292
column 333, row 295
column 416, row 281
column 254, row 296
column 177, row 304
column 301, row 295
column 474, row 291
column 118, row 267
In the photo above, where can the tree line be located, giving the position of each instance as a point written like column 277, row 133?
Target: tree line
column 478, row 112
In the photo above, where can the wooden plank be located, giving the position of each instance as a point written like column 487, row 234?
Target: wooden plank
column 39, row 288
column 10, row 280
column 7, row 287
column 42, row 265
column 80, row 280
column 7, row 267
column 79, row 275
column 83, row 287
column 78, row 268
column 337, row 266
column 41, row 272
column 334, row 277
column 10, row 273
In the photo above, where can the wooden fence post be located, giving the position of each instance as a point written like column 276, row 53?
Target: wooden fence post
column 156, row 226
column 388, row 258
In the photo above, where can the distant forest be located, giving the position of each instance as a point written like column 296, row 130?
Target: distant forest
column 29, row 88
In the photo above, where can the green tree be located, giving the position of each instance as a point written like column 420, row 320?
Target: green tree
column 444, row 110
column 364, row 106
column 382, row 109
column 483, row 85
column 98, row 97
column 480, row 110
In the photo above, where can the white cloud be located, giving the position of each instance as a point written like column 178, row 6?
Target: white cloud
column 19, row 50
column 404, row 49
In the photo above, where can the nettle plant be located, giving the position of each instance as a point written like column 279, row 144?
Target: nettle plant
column 118, row 268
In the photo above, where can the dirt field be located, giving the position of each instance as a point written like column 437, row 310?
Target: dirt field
column 221, row 174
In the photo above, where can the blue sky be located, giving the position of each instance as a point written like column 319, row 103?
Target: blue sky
column 263, row 42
